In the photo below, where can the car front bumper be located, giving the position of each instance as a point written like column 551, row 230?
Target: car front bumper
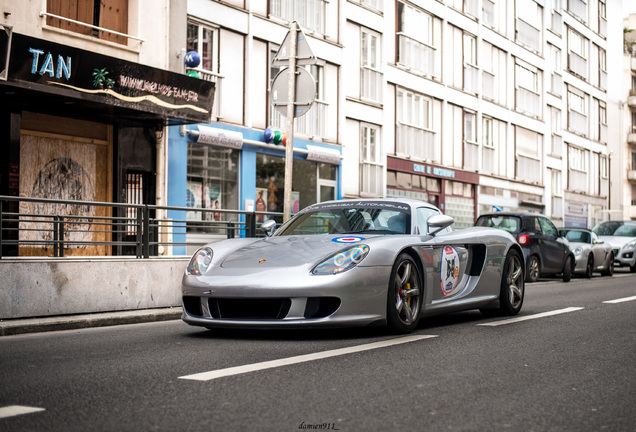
column 287, row 299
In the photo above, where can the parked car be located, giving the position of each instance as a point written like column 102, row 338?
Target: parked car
column 354, row 263
column 621, row 235
column 591, row 254
column 546, row 253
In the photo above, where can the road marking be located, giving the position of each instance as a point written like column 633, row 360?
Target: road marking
column 621, row 300
column 16, row 410
column 207, row 376
column 529, row 317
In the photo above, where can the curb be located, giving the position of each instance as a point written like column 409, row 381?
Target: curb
column 73, row 322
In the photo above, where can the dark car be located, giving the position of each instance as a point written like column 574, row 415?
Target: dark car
column 546, row 253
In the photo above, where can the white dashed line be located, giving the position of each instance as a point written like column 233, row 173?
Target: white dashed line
column 621, row 300
column 530, row 317
column 207, row 376
column 16, row 410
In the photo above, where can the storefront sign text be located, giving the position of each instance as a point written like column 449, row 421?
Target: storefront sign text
column 321, row 154
column 220, row 137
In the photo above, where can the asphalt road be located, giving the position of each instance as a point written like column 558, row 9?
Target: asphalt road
column 568, row 365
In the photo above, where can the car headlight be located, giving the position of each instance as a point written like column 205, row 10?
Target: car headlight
column 630, row 246
column 578, row 251
column 200, row 261
column 342, row 261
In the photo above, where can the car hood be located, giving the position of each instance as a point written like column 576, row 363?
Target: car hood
column 286, row 251
column 617, row 241
column 574, row 245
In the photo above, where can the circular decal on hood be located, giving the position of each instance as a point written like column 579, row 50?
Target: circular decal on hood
column 347, row 239
column 449, row 270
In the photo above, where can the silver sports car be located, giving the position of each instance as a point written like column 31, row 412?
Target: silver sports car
column 591, row 254
column 354, row 263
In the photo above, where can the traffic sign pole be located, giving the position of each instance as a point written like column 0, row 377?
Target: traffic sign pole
column 291, row 97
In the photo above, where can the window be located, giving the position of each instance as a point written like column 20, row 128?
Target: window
column 212, row 180
column 557, row 139
column 578, row 8
column 471, row 149
column 602, row 68
column 415, row 137
column 371, row 169
column 417, row 45
column 470, row 63
column 309, row 13
column 556, row 22
column 577, row 111
column 577, row 53
column 113, row 16
column 493, row 63
column 557, row 193
column 529, row 152
column 371, row 74
column 602, row 18
column 203, row 39
column 602, row 121
column 577, row 169
column 556, row 83
column 528, row 98
column 529, row 24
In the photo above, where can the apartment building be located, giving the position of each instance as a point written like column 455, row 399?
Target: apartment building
column 473, row 105
column 484, row 105
column 625, row 163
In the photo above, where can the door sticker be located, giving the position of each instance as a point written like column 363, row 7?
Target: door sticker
column 449, row 270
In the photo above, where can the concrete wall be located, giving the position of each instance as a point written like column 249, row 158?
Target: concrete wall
column 47, row 287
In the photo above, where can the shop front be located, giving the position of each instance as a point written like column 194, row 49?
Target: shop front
column 80, row 126
column 222, row 167
column 452, row 191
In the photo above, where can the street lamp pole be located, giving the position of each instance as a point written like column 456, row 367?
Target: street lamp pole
column 291, row 97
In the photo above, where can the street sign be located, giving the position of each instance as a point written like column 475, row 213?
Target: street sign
column 304, row 95
column 304, row 55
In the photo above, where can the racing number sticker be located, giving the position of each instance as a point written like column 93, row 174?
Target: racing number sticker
column 449, row 271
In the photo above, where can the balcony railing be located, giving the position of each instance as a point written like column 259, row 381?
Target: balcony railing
column 577, row 181
column 577, row 64
column 218, row 88
column 528, row 169
column 471, row 75
column 309, row 13
column 488, row 85
column 528, row 35
column 312, row 123
column 471, row 156
column 578, row 8
column 371, row 181
column 371, row 83
column 57, row 228
column 577, row 122
column 557, row 207
column 556, row 24
column 528, row 102
column 417, row 55
column 415, row 142
column 489, row 161
column 556, row 84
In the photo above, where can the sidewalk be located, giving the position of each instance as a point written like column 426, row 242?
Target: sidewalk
column 71, row 322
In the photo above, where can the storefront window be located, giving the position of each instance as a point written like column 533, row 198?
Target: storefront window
column 311, row 182
column 212, row 182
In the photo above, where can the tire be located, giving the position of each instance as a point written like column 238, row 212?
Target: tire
column 512, row 285
column 610, row 266
column 567, row 269
column 589, row 269
column 404, row 301
column 533, row 269
column 632, row 269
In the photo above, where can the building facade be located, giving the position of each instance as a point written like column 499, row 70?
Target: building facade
column 85, row 101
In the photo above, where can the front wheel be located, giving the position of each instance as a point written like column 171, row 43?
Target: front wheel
column 404, row 295
column 567, row 269
column 512, row 285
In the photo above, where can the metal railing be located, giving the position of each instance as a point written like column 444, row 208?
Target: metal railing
column 41, row 227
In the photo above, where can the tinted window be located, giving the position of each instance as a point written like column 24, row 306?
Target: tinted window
column 578, row 236
column 548, row 227
column 606, row 228
column 626, row 230
column 511, row 224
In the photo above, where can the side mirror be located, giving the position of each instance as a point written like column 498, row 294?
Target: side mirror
column 437, row 223
column 269, row 226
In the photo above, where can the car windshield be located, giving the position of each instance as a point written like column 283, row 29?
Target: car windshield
column 616, row 229
column 350, row 218
column 512, row 224
column 578, row 236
